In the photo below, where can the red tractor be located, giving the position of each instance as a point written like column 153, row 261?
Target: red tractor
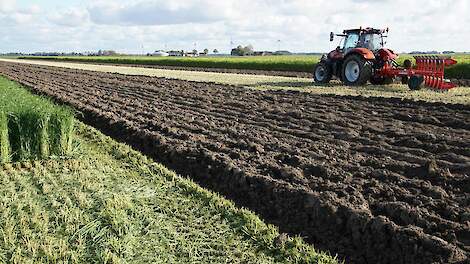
column 363, row 58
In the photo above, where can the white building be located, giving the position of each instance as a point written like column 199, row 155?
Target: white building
column 160, row 53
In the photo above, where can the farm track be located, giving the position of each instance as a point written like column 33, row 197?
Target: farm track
column 377, row 180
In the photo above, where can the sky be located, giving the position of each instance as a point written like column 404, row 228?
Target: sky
column 142, row 26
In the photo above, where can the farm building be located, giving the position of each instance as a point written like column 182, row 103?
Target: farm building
column 176, row 53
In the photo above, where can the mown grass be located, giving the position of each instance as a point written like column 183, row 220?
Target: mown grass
column 113, row 205
column 271, row 63
column 32, row 127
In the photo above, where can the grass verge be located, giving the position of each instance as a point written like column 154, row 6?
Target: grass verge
column 113, row 205
column 31, row 127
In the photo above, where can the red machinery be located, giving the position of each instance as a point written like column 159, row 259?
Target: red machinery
column 363, row 58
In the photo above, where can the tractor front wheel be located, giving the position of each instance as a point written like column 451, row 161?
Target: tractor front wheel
column 356, row 70
column 322, row 73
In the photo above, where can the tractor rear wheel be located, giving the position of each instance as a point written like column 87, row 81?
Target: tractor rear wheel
column 322, row 73
column 415, row 82
column 356, row 70
column 380, row 80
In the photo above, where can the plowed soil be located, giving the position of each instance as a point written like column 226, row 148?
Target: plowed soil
column 375, row 180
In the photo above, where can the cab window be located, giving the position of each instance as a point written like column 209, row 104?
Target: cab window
column 372, row 41
column 351, row 41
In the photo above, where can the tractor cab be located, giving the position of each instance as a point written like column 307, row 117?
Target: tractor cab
column 368, row 38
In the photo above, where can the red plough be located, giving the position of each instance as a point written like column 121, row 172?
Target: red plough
column 429, row 70
column 432, row 69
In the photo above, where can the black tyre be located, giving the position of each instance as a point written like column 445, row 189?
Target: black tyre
column 356, row 70
column 322, row 73
column 379, row 80
column 415, row 82
column 404, row 80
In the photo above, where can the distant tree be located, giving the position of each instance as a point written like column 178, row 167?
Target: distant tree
column 248, row 50
column 106, row 53
column 110, row 53
column 206, row 51
column 242, row 51
column 215, row 51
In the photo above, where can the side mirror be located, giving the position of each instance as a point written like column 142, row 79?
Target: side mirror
column 332, row 36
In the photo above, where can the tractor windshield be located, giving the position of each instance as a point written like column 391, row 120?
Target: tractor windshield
column 351, row 41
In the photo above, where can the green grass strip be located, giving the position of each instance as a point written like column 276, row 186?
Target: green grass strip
column 61, row 130
column 32, row 127
column 4, row 140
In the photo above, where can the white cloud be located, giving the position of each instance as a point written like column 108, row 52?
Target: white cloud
column 7, row 5
column 159, row 12
column 74, row 17
column 301, row 25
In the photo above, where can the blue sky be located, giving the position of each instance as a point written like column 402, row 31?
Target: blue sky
column 301, row 25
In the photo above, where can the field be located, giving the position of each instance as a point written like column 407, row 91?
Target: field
column 111, row 204
column 263, row 63
column 459, row 95
column 377, row 180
